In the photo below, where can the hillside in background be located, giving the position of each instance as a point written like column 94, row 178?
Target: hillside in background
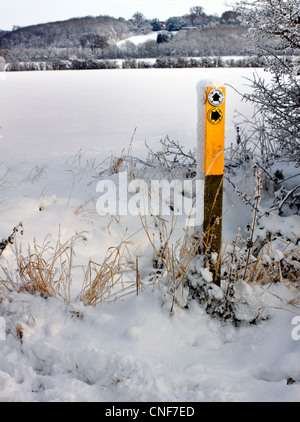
column 65, row 34
column 94, row 38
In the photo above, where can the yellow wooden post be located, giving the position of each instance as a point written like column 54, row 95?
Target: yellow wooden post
column 212, row 169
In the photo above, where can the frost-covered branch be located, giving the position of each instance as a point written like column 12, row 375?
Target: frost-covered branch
column 275, row 34
column 10, row 239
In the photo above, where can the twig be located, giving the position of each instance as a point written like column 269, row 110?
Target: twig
column 257, row 199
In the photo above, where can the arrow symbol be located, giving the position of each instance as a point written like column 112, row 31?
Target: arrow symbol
column 216, row 97
column 215, row 115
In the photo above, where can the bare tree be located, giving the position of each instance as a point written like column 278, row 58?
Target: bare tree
column 140, row 23
column 196, row 10
column 275, row 31
column 94, row 42
column 196, row 13
column 138, row 19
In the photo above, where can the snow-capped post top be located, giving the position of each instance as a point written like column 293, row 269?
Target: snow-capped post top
column 211, row 143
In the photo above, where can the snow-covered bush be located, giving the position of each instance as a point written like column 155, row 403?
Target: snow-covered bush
column 275, row 32
column 236, row 301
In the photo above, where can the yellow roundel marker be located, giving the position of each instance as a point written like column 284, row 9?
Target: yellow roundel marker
column 215, row 115
column 216, row 97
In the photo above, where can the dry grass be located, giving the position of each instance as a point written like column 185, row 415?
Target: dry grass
column 36, row 174
column 47, row 271
column 44, row 270
column 3, row 182
column 87, row 208
column 172, row 260
column 19, row 331
column 104, row 283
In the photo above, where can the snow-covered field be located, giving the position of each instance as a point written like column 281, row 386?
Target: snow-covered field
column 58, row 132
column 55, row 113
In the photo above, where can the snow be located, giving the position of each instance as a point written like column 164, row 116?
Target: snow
column 100, row 110
column 207, row 275
column 140, row 39
column 2, row 329
column 58, row 130
column 133, row 351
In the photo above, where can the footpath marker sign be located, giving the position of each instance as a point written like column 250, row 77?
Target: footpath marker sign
column 211, row 144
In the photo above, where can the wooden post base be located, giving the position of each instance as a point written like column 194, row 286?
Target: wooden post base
column 212, row 227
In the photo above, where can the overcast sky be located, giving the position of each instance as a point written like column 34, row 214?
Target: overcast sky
column 27, row 12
